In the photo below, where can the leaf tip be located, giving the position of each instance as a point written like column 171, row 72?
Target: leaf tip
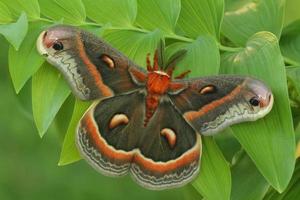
column 66, row 161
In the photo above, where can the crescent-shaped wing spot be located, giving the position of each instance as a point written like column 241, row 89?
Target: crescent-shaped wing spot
column 117, row 120
column 110, row 63
column 170, row 135
column 207, row 89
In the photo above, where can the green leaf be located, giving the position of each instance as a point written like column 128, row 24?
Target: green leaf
column 291, row 11
column 70, row 11
column 244, row 18
column 140, row 43
column 15, row 32
column 25, row 62
column 290, row 42
column 30, row 7
column 188, row 193
column 297, row 132
column 117, row 12
column 201, row 17
column 292, row 191
column 214, row 180
column 49, row 91
column 247, row 182
column 5, row 14
column 202, row 57
column 293, row 76
column 227, row 144
column 155, row 14
column 63, row 117
column 69, row 152
column 269, row 141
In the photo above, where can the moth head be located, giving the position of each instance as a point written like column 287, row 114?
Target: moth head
column 258, row 96
column 56, row 40
column 59, row 46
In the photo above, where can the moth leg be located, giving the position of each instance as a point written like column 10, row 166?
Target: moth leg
column 183, row 74
column 155, row 66
column 155, row 61
column 149, row 67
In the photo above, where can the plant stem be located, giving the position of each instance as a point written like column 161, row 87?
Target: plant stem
column 93, row 24
column 129, row 29
column 290, row 61
column 45, row 19
column 229, row 49
column 178, row 37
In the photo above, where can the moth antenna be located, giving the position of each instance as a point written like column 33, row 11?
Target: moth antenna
column 170, row 71
column 175, row 58
column 149, row 67
column 183, row 74
column 155, row 61
column 161, row 57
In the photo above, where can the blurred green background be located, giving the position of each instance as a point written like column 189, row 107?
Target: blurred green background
column 28, row 164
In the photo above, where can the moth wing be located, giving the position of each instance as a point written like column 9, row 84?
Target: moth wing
column 92, row 67
column 211, row 104
column 164, row 154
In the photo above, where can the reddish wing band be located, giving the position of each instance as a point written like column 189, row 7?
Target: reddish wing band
column 130, row 147
column 213, row 103
column 92, row 67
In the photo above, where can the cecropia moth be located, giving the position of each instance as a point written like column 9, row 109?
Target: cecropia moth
column 146, row 122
